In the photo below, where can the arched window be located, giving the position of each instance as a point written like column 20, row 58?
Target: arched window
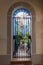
column 22, row 29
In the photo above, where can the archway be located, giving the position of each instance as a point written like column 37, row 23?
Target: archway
column 9, row 36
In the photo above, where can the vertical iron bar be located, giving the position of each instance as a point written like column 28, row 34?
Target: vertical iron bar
column 28, row 26
column 15, row 26
column 13, row 38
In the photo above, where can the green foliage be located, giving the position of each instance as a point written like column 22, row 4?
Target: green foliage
column 26, row 34
column 19, row 33
column 23, row 38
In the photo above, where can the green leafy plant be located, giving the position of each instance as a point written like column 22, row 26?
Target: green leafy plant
column 25, row 38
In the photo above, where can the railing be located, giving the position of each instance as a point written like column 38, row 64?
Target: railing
column 22, row 36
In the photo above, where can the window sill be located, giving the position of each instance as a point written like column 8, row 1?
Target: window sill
column 21, row 61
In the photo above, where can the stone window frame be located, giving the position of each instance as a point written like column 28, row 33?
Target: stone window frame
column 9, row 14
